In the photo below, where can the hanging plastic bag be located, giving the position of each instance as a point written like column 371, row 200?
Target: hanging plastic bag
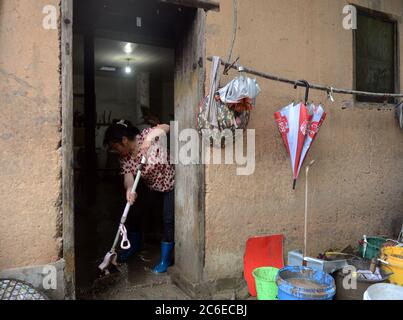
column 245, row 104
column 240, row 93
column 227, row 117
column 213, row 113
column 215, row 116
column 224, row 116
column 211, row 110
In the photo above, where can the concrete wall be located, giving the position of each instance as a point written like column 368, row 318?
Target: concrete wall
column 30, row 159
column 356, row 185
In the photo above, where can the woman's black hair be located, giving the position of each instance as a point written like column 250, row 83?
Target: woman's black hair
column 118, row 130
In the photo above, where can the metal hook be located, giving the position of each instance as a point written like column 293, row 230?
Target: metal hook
column 228, row 67
column 305, row 84
column 330, row 94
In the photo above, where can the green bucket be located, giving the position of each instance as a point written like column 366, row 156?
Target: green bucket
column 265, row 279
column 374, row 246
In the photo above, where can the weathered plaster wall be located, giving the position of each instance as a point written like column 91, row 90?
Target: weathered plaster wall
column 30, row 161
column 356, row 185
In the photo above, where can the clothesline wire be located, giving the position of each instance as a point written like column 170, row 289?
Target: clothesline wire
column 311, row 85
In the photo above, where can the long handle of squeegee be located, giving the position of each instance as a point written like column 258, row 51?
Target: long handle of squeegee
column 125, row 243
column 306, row 210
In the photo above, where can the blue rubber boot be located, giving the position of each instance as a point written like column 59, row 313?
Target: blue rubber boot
column 135, row 241
column 165, row 261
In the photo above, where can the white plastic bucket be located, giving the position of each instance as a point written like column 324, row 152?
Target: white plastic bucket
column 384, row 291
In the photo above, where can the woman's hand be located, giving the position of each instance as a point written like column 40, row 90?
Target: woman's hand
column 145, row 147
column 131, row 197
column 156, row 133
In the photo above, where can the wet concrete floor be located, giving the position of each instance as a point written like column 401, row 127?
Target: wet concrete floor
column 135, row 281
column 96, row 224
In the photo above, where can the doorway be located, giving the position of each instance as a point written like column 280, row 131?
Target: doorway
column 142, row 61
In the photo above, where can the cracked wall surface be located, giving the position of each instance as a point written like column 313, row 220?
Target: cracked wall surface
column 30, row 159
column 356, row 184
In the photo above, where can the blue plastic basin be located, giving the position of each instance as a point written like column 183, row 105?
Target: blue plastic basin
column 302, row 283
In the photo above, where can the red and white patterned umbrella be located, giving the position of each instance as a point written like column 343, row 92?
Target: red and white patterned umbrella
column 298, row 126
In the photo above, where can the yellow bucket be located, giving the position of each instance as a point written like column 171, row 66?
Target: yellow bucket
column 392, row 258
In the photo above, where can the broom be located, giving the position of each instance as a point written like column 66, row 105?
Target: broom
column 110, row 259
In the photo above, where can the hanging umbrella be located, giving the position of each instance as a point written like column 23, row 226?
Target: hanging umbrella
column 293, row 123
column 282, row 122
column 316, row 117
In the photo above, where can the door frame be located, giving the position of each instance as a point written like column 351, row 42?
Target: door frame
column 190, row 75
column 189, row 85
column 66, row 48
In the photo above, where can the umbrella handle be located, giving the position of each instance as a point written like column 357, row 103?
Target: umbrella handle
column 307, row 86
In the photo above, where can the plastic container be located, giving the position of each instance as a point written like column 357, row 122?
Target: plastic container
column 384, row 291
column 343, row 293
column 393, row 256
column 374, row 246
column 265, row 279
column 302, row 283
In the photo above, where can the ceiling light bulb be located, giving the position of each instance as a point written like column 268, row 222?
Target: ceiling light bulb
column 128, row 48
column 128, row 70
